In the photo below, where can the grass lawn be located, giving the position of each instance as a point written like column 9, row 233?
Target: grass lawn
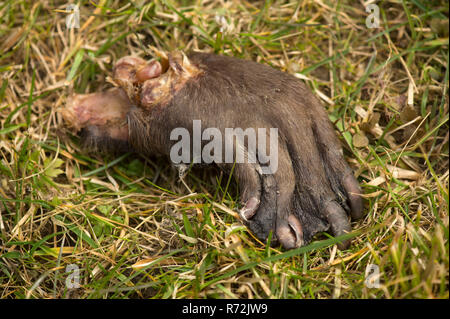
column 132, row 229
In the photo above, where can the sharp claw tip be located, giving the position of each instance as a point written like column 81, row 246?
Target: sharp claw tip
column 242, row 215
column 249, row 209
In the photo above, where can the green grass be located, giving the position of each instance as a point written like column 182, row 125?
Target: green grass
column 135, row 231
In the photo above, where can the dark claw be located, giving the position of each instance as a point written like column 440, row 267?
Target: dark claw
column 263, row 222
column 339, row 223
column 354, row 196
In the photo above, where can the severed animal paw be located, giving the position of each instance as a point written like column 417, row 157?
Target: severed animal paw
column 294, row 186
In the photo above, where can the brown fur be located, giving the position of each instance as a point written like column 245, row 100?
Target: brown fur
column 313, row 185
